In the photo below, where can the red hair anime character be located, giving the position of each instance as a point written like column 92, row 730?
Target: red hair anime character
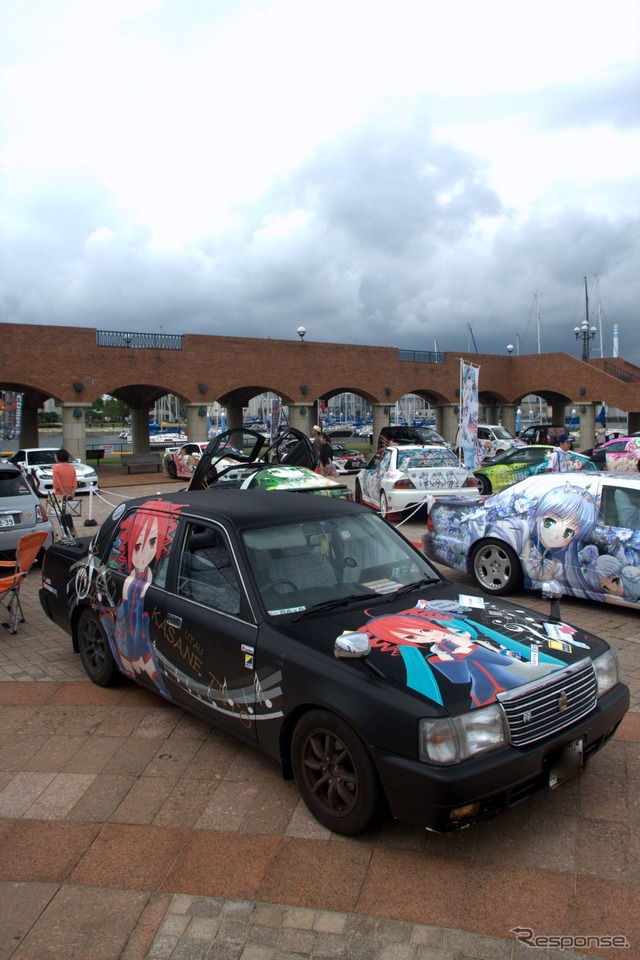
column 451, row 646
column 145, row 539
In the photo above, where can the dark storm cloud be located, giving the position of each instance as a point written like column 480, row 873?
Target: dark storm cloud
column 377, row 238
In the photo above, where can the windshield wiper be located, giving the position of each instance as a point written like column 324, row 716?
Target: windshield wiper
column 335, row 602
column 423, row 582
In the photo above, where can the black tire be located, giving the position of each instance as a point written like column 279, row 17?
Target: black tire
column 496, row 568
column 358, row 492
column 95, row 652
column 172, row 469
column 484, row 485
column 335, row 774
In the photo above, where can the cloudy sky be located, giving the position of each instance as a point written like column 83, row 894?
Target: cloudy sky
column 415, row 173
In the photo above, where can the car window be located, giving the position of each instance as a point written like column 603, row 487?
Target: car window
column 12, row 484
column 627, row 503
column 426, row 457
column 206, row 572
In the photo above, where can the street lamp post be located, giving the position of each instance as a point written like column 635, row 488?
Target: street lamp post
column 584, row 332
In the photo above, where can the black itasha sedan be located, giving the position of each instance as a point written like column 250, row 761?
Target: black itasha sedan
column 314, row 630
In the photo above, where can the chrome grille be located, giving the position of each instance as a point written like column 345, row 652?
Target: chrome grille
column 543, row 707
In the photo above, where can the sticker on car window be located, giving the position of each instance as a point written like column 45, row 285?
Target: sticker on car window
column 280, row 611
column 382, row 586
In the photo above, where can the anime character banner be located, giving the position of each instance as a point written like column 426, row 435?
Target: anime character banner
column 12, row 414
column 468, row 439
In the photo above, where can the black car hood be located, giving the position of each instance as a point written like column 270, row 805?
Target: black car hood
column 448, row 651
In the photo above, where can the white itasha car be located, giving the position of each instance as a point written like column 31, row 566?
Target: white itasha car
column 37, row 463
column 398, row 479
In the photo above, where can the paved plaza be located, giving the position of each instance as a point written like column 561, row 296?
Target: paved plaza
column 129, row 829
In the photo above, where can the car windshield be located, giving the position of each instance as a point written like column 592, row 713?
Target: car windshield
column 502, row 434
column 429, row 436
column 426, row 457
column 39, row 458
column 355, row 557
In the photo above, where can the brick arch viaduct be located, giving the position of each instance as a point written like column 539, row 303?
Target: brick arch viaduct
column 75, row 366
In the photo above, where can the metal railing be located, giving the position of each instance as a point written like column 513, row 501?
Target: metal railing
column 138, row 341
column 422, row 356
column 619, row 372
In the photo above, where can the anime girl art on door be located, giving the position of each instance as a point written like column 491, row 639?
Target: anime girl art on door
column 143, row 542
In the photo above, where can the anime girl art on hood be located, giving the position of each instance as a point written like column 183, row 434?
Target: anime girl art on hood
column 435, row 644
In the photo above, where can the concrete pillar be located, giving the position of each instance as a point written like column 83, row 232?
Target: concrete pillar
column 29, row 436
column 74, row 429
column 196, row 422
column 235, row 417
column 450, row 421
column 437, row 412
column 586, row 412
column 299, row 416
column 381, row 417
column 634, row 422
column 139, row 429
column 509, row 417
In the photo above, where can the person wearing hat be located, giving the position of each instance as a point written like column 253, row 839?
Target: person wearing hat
column 316, row 440
column 560, row 459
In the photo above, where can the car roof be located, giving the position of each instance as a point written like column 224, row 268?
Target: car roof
column 244, row 509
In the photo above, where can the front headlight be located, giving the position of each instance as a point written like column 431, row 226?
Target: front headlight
column 607, row 672
column 452, row 739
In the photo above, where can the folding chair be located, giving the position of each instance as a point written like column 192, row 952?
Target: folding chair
column 29, row 547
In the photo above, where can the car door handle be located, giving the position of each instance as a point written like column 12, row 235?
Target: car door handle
column 173, row 620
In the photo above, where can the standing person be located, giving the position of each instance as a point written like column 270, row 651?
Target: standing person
column 326, row 457
column 65, row 482
column 560, row 459
column 316, row 441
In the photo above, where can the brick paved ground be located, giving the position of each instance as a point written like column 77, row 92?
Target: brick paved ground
column 128, row 829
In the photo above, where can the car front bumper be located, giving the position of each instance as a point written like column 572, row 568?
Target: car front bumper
column 428, row 795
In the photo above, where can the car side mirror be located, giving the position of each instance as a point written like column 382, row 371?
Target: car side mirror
column 355, row 646
column 352, row 646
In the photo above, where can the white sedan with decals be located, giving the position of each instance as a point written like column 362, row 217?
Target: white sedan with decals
column 399, row 479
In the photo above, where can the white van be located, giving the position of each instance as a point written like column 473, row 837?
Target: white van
column 494, row 438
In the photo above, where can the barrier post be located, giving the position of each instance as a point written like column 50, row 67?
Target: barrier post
column 90, row 522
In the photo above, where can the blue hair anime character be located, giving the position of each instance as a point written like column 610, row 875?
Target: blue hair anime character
column 549, row 537
column 603, row 576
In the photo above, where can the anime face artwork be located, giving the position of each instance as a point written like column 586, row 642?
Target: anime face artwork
column 144, row 539
column 548, row 532
column 435, row 645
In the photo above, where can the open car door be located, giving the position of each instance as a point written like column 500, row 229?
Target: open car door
column 247, row 451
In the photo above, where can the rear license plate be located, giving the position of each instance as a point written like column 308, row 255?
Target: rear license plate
column 7, row 521
column 567, row 763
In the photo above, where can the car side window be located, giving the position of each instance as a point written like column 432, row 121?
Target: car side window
column 206, row 572
column 627, row 503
